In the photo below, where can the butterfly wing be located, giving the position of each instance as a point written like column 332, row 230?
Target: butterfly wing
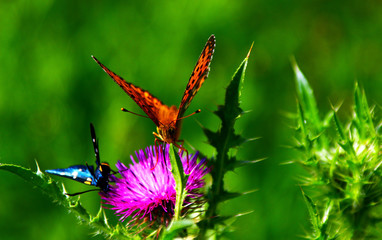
column 79, row 173
column 146, row 101
column 199, row 74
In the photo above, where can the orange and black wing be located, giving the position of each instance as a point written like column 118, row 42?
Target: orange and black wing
column 199, row 74
column 149, row 104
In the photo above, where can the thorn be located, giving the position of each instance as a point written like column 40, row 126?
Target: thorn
column 243, row 214
column 253, row 139
column 293, row 61
column 38, row 171
column 251, row 191
column 243, row 163
column 64, row 191
column 105, row 220
column 299, row 75
column 288, row 162
column 249, row 52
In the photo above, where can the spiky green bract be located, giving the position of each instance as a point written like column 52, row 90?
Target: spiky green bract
column 319, row 223
column 56, row 191
column 223, row 140
column 343, row 164
column 180, row 181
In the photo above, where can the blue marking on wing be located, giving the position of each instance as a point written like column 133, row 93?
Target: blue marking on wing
column 78, row 173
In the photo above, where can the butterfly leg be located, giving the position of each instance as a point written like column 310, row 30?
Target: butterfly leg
column 156, row 146
column 75, row 194
column 183, row 149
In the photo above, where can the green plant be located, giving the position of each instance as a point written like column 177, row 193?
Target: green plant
column 206, row 224
column 343, row 166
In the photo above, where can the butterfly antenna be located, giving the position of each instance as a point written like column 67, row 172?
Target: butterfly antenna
column 75, row 194
column 125, row 110
column 95, row 144
column 197, row 111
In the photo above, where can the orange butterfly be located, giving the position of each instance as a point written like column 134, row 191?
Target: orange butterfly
column 168, row 119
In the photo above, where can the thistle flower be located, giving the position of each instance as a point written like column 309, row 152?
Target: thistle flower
column 148, row 195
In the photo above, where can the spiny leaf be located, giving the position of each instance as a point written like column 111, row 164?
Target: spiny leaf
column 48, row 186
column 231, row 108
column 340, row 129
column 363, row 118
column 305, row 95
column 343, row 163
column 313, row 213
column 57, row 192
column 180, row 181
column 319, row 224
column 346, row 142
column 39, row 180
column 310, row 119
column 224, row 139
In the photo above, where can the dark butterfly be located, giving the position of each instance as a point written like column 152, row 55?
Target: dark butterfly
column 86, row 174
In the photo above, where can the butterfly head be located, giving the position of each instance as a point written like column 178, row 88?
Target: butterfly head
column 168, row 133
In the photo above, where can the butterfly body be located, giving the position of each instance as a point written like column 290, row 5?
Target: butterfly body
column 98, row 177
column 168, row 119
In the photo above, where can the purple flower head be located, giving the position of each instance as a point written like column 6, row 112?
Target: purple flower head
column 148, row 195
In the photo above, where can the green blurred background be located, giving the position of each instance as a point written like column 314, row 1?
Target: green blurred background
column 51, row 90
